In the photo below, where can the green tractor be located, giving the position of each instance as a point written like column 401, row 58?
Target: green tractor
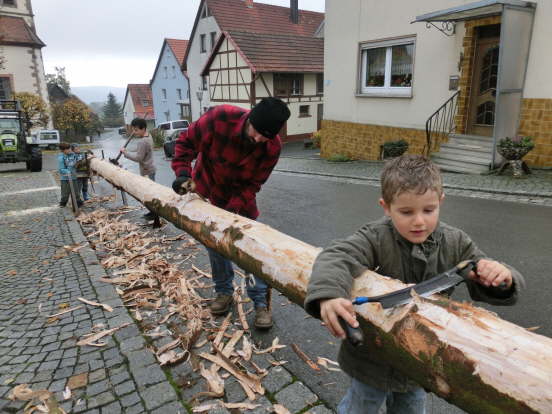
column 16, row 145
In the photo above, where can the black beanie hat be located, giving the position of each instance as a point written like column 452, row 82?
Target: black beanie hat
column 269, row 116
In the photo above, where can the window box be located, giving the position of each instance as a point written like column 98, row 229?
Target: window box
column 386, row 68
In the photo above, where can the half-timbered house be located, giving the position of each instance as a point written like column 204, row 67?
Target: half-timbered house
column 244, row 16
column 245, row 67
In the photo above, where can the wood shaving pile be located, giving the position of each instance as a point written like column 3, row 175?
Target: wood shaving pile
column 149, row 285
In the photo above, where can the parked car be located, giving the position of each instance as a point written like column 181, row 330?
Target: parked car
column 46, row 138
column 170, row 141
column 170, row 126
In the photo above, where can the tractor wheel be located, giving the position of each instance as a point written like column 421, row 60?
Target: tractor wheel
column 35, row 163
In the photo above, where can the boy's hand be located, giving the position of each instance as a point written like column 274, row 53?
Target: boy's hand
column 330, row 309
column 123, row 150
column 491, row 273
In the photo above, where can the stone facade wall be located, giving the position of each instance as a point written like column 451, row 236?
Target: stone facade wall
column 363, row 141
column 469, row 44
column 536, row 121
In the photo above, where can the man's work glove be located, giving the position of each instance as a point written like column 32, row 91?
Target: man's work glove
column 183, row 185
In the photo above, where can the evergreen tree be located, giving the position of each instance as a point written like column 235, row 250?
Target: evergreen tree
column 112, row 112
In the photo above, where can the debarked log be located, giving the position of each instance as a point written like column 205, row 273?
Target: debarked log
column 463, row 353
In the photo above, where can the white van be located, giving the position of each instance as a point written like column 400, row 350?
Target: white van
column 170, row 126
column 46, row 138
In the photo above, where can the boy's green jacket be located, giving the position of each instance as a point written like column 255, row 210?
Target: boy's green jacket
column 377, row 245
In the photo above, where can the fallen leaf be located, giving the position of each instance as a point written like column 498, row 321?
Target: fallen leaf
column 64, row 312
column 9, row 381
column 91, row 340
column 78, row 381
column 50, row 294
column 275, row 345
column 305, row 357
column 52, row 320
column 22, row 392
column 280, row 409
column 67, row 393
column 63, row 305
column 11, row 272
column 90, row 302
column 21, row 301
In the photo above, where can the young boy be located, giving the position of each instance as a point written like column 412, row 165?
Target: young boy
column 412, row 245
column 66, row 168
column 144, row 153
column 82, row 170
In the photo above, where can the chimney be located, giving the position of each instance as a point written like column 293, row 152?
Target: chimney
column 249, row 3
column 294, row 11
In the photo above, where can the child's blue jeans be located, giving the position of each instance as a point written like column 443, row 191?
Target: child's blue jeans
column 364, row 399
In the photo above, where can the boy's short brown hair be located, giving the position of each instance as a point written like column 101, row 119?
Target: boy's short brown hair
column 64, row 145
column 409, row 173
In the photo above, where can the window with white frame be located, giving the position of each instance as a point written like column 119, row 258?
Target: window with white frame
column 164, row 93
column 174, row 72
column 386, row 67
column 179, row 94
column 165, row 73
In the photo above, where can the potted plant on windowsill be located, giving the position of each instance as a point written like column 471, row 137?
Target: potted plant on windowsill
column 392, row 149
column 513, row 150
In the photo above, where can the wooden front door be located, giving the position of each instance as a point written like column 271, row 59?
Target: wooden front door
column 319, row 116
column 484, row 80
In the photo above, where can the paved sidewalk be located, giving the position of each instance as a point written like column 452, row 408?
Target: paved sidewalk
column 533, row 189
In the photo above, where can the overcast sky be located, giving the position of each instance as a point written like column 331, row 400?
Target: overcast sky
column 116, row 42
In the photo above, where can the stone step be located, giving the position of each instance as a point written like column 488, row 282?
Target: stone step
column 460, row 164
column 467, row 151
column 483, row 142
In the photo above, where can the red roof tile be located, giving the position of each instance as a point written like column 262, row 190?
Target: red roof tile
column 179, row 48
column 234, row 15
column 14, row 30
column 140, row 93
column 276, row 53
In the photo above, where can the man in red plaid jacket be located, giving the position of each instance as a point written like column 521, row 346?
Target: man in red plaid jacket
column 235, row 151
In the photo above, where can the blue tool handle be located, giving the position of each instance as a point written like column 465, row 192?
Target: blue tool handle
column 354, row 335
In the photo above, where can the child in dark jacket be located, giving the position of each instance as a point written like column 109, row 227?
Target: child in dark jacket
column 81, row 170
column 67, row 174
column 410, row 244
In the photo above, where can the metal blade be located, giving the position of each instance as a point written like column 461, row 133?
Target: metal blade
column 424, row 289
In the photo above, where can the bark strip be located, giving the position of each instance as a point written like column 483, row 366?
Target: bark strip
column 465, row 354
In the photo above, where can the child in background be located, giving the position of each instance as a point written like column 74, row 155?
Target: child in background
column 82, row 170
column 67, row 174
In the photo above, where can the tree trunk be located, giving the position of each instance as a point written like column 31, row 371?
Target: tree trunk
column 467, row 355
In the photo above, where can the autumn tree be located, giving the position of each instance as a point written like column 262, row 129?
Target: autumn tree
column 72, row 117
column 112, row 112
column 34, row 108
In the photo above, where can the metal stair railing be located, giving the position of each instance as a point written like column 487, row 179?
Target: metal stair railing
column 441, row 123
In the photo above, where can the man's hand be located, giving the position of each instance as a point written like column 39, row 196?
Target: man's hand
column 491, row 273
column 331, row 309
column 122, row 150
column 183, row 185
